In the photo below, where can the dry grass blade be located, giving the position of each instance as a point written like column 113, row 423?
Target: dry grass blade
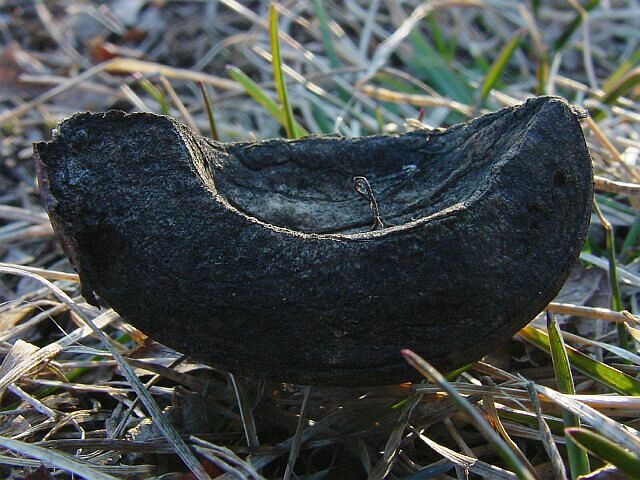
column 295, row 448
column 20, row 328
column 547, row 438
column 52, row 28
column 485, row 470
column 119, row 470
column 8, row 212
column 392, row 447
column 592, row 312
column 225, row 459
column 623, row 435
column 624, row 274
column 457, row 437
column 119, row 429
column 19, row 353
column 34, row 231
column 261, row 460
column 46, row 353
column 48, row 274
column 152, row 407
column 494, row 419
column 621, row 405
column 613, row 151
column 130, row 65
column 389, row 456
column 56, row 459
column 417, row 100
column 478, row 421
column 175, row 99
column 34, row 402
column 613, row 186
column 390, row 44
column 246, row 415
column 209, row 109
column 119, row 65
column 54, row 92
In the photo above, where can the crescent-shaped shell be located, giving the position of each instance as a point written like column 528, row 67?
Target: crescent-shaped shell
column 260, row 257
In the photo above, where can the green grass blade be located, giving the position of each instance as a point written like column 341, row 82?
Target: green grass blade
column 278, row 76
column 257, row 93
column 631, row 240
column 559, row 356
column 618, row 351
column 606, row 450
column 535, row 5
column 616, row 300
column 620, row 72
column 438, row 38
column 625, row 85
column 325, row 31
column 436, row 70
column 499, row 65
column 476, row 418
column 578, row 458
column 379, row 119
column 207, row 106
column 327, row 42
column 602, row 373
column 615, row 205
column 321, row 119
column 155, row 93
column 526, row 418
column 573, row 26
column 481, row 64
column 542, row 74
column 452, row 375
column 260, row 96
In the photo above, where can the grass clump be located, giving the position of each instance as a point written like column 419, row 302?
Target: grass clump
column 69, row 402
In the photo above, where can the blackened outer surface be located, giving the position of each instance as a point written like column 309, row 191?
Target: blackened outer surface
column 135, row 202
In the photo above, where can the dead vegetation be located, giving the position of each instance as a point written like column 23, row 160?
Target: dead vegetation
column 69, row 402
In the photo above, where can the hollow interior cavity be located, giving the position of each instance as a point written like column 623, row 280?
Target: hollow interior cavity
column 311, row 186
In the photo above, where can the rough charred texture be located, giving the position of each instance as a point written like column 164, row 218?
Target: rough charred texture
column 260, row 257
